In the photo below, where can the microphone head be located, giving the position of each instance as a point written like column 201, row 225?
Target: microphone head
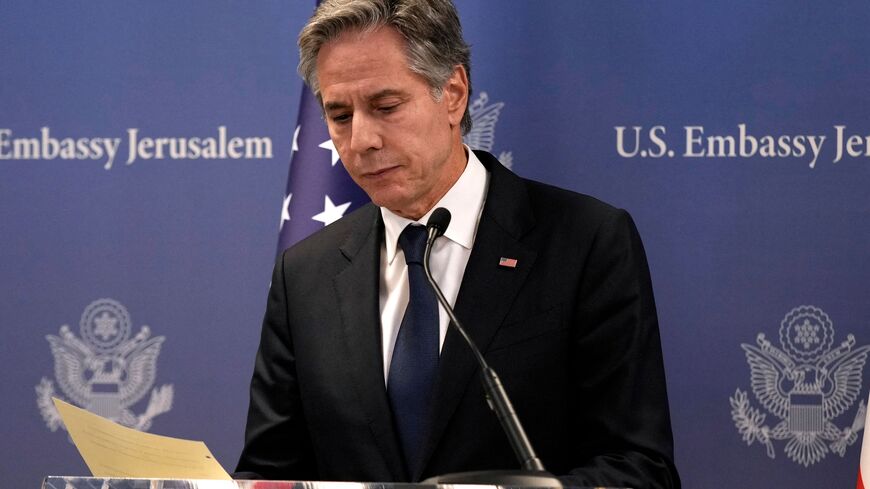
column 439, row 220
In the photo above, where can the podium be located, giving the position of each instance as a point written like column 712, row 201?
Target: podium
column 56, row 482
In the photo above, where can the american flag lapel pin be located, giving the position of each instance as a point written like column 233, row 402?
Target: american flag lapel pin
column 507, row 262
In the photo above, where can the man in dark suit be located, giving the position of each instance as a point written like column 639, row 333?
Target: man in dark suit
column 553, row 286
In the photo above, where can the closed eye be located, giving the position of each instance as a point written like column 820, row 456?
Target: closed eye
column 340, row 118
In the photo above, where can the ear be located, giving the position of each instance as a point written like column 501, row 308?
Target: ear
column 456, row 95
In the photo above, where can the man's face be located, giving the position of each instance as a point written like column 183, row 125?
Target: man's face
column 401, row 146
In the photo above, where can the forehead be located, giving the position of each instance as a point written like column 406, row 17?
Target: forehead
column 363, row 61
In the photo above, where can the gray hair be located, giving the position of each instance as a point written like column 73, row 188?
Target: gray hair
column 431, row 30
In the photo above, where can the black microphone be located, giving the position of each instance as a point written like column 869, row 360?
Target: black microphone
column 437, row 224
column 533, row 473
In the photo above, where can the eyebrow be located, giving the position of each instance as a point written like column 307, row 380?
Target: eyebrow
column 329, row 106
column 387, row 92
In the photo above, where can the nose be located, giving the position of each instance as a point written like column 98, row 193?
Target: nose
column 365, row 133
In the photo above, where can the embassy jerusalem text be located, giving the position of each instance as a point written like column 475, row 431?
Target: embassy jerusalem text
column 654, row 142
column 219, row 146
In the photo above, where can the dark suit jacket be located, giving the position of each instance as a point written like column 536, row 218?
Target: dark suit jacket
column 572, row 331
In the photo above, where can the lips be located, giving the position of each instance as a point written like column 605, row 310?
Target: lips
column 380, row 173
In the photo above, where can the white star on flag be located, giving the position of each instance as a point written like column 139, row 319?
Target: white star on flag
column 328, row 144
column 295, row 147
column 313, row 174
column 331, row 212
column 285, row 210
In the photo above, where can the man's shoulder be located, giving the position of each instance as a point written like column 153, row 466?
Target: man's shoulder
column 543, row 197
column 549, row 204
column 551, row 198
column 345, row 234
column 567, row 216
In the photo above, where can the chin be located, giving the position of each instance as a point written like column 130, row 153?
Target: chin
column 391, row 205
column 389, row 199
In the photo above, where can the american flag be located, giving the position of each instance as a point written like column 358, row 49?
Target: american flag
column 319, row 190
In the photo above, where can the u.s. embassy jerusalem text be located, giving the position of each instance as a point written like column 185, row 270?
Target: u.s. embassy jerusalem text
column 220, row 145
column 741, row 142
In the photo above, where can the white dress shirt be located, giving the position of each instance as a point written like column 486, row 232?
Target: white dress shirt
column 448, row 258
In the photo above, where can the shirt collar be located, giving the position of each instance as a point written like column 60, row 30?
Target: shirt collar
column 464, row 200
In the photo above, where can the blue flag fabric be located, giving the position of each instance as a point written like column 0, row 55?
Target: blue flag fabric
column 319, row 189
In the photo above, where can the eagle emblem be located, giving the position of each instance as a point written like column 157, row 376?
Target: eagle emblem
column 484, row 116
column 105, row 371
column 807, row 383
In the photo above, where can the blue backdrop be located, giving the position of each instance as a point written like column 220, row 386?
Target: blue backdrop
column 743, row 239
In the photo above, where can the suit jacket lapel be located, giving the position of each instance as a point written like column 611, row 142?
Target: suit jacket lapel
column 487, row 291
column 357, row 290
